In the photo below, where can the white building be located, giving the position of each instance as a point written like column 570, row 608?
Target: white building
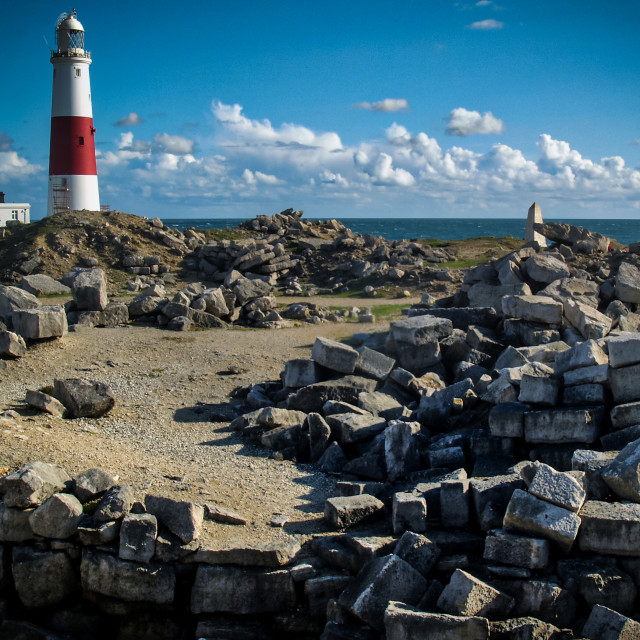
column 14, row 212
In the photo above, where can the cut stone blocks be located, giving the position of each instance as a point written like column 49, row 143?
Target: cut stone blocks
column 353, row 427
column 334, row 355
column 583, row 394
column 409, row 513
column 455, row 503
column 299, row 372
column 610, row 528
column 596, row 374
column 533, row 308
column 373, row 364
column 520, row 551
column 588, row 321
column 625, row 383
column 559, row 426
column 349, row 510
column 623, row 474
column 624, row 350
column 606, row 624
column 402, row 622
column 465, row 595
column 584, row 354
column 558, row 488
column 182, row 518
column 491, row 496
column 507, row 419
column 420, row 552
column 36, row 324
column 138, row 537
column 530, row 515
column 421, row 330
column 625, row 415
column 539, row 390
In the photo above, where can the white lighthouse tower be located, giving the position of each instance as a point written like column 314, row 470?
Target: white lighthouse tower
column 73, row 178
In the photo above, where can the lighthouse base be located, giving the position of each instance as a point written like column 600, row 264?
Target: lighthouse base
column 73, row 193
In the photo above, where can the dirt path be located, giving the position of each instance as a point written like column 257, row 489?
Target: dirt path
column 160, row 438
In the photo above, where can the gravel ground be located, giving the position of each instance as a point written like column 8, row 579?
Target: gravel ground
column 160, row 438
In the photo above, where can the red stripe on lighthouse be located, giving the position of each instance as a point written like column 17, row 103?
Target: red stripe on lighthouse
column 73, row 150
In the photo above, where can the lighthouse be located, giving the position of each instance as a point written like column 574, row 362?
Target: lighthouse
column 73, row 178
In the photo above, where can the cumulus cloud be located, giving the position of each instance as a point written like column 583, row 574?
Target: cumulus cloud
column 256, row 177
column 463, row 122
column 173, row 144
column 132, row 120
column 486, row 25
column 388, row 105
column 12, row 165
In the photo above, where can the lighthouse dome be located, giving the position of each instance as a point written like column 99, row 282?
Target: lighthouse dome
column 69, row 34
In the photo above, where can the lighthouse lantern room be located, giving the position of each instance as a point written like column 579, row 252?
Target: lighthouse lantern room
column 73, row 178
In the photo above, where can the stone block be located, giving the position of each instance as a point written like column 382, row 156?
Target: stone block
column 313, row 397
column 421, row 330
column 319, row 435
column 32, row 484
column 530, row 515
column 349, row 510
column 14, row 524
column 533, row 309
column 588, row 321
column 610, row 528
column 418, row 358
column 506, row 419
column 617, row 440
column 625, row 384
column 334, row 355
column 322, row 589
column 109, row 576
column 628, row 283
column 138, row 537
column 584, row 394
column 591, row 463
column 465, row 595
column 455, row 503
column 624, row 349
column 94, row 534
column 539, row 390
column 42, row 578
column 379, row 582
column 435, row 408
column 400, row 449
column 625, row 415
column 545, row 268
column 243, row 591
column 299, row 372
column 373, row 364
column 91, row 483
column 353, row 427
column 584, row 354
column 487, row 295
column 597, row 374
column 84, row 398
column 114, row 504
column 558, row 488
column 12, row 345
column 89, row 290
column 37, row 324
column 45, row 402
column 545, row 600
column 420, row 552
column 520, row 551
column 622, row 475
column 558, row 426
column 182, row 518
column 57, row 517
column 409, row 513
column 402, row 622
column 606, row 624
column 272, row 554
column 527, row 628
column 382, row 405
column 490, row 497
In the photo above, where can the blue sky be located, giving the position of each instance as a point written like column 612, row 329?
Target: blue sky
column 424, row 108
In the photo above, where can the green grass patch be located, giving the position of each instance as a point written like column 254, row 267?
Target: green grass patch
column 225, row 234
column 465, row 263
column 384, row 311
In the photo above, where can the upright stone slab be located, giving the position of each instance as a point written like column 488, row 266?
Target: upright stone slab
column 610, row 528
column 534, row 215
column 90, row 290
column 622, row 475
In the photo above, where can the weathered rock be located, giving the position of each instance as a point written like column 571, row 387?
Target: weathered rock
column 347, row 511
column 13, row 299
column 534, row 216
column 420, row 552
column 558, row 488
column 539, row 390
column 610, row 528
column 400, row 451
column 628, row 283
column 272, row 554
column 32, row 484
column 421, row 330
column 373, row 364
column 246, row 290
column 607, row 624
column 624, row 349
column 346, row 389
column 487, row 295
column 138, row 537
column 533, row 309
column 558, row 426
column 12, row 345
column 409, row 513
column 91, row 483
column 455, row 503
column 40, row 323
column 506, row 419
column 545, row 268
column 622, row 475
column 584, row 354
column 520, row 551
column 182, row 518
column 299, row 372
column 625, row 383
column 379, row 582
column 58, row 517
column 90, row 290
column 84, row 398
column 115, row 504
column 14, row 524
column 43, row 285
column 334, row 355
column 45, row 402
column 572, row 235
column 490, row 497
column 588, row 321
column 354, row 427
column 437, row 407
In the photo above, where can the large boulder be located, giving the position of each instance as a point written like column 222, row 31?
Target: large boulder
column 84, row 398
column 42, row 285
column 37, row 324
column 90, row 290
column 32, row 484
column 13, row 298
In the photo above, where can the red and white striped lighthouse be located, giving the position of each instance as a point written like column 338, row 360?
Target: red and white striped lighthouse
column 73, row 178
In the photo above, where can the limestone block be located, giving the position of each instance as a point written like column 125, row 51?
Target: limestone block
column 539, row 390
column 57, row 517
column 319, row 435
column 523, row 332
column 617, row 440
column 45, row 402
column 591, row 463
column 382, row 405
column 42, row 578
column 409, row 513
column 625, row 384
column 84, row 398
column 455, row 503
column 181, row 517
column 420, row 552
column 588, row 321
column 44, row 322
column 421, row 330
column 215, row 303
column 506, row 419
column 527, row 628
column 446, row 457
column 93, row 534
column 628, row 283
column 622, row 475
column 435, row 408
column 624, row 349
column 271, row 554
column 509, row 273
column 558, row 426
column 418, row 358
column 138, row 537
column 32, row 484
column 558, row 488
column 379, row 582
column 114, row 504
column 606, row 624
column 322, row 589
column 545, row 600
column 373, row 364
column 490, row 497
column 349, row 510
column 334, row 355
column 91, row 483
column 246, row 290
column 584, row 291
column 625, row 415
column 530, row 515
column 584, row 394
column 597, row 374
column 584, row 354
column 13, row 298
column 106, row 575
column 610, row 528
column 533, row 308
column 402, row 622
column 14, row 524
column 520, row 551
column 400, row 450
column 545, row 268
column 89, row 290
column 487, row 295
column 500, row 391
column 353, row 427
column 12, row 345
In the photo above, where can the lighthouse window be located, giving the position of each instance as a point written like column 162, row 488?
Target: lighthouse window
column 78, row 73
column 81, row 141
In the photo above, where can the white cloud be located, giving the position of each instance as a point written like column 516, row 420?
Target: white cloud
column 388, row 105
column 255, row 177
column 463, row 122
column 173, row 144
column 132, row 120
column 486, row 25
column 12, row 165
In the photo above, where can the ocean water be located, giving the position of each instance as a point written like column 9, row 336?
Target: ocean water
column 624, row 231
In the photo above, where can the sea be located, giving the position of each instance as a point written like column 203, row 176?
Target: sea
column 624, row 231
